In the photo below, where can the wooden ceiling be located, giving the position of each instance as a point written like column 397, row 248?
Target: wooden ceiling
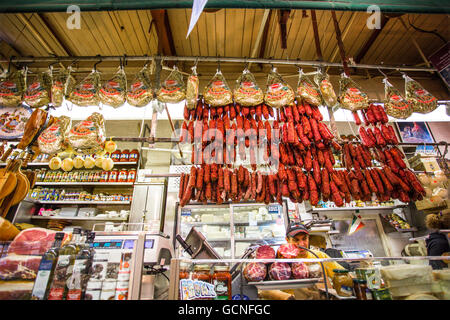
column 224, row 32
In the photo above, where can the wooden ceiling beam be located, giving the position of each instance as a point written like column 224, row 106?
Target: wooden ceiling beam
column 371, row 40
column 283, row 16
column 166, row 45
column 45, row 21
column 316, row 35
column 265, row 34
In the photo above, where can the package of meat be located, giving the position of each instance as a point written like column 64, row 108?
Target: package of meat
column 265, row 252
column 351, row 97
column 419, row 98
column 38, row 89
column 52, row 139
column 307, row 91
column 16, row 290
column 299, row 270
column 278, row 92
column 85, row 93
column 395, row 105
column 173, row 89
column 62, row 84
column 288, row 251
column 255, row 271
column 12, row 88
column 88, row 136
column 314, row 269
column 280, row 271
column 247, row 93
column 217, row 93
column 326, row 88
column 16, row 267
column 140, row 92
column 33, row 241
column 192, row 89
column 113, row 91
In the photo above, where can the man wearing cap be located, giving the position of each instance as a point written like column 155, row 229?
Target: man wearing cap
column 298, row 235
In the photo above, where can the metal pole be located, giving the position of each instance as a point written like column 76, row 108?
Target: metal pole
column 216, row 59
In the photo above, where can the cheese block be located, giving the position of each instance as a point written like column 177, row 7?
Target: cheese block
column 421, row 296
column 403, row 271
column 409, row 290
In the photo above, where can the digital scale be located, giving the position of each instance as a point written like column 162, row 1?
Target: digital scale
column 356, row 254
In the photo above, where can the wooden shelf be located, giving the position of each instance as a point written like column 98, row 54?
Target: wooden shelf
column 355, row 208
column 81, row 184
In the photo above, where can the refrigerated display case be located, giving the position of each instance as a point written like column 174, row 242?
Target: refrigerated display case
column 232, row 228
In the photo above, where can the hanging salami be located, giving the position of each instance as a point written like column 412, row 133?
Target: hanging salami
column 217, row 93
column 278, row 93
column 51, row 140
column 395, row 105
column 307, row 90
column 140, row 92
column 88, row 136
column 86, row 92
column 247, row 93
column 37, row 93
column 420, row 99
column 351, row 97
column 172, row 90
column 192, row 88
column 326, row 88
column 12, row 88
column 113, row 91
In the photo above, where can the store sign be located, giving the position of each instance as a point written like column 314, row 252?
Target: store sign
column 186, row 212
column 441, row 61
column 195, row 289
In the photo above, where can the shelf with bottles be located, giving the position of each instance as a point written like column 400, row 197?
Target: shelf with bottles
column 52, row 196
column 393, row 221
column 358, row 205
column 122, row 177
column 77, row 218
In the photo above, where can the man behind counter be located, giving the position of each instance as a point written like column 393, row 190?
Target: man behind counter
column 298, row 235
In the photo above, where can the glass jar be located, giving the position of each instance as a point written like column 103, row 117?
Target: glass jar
column 221, row 280
column 113, row 176
column 131, row 175
column 124, row 157
column 202, row 273
column 134, row 156
column 184, row 271
column 123, row 175
column 342, row 283
column 359, row 288
column 115, row 156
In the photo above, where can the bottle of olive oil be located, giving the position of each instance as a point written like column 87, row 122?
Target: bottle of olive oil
column 46, row 268
column 64, row 267
column 77, row 282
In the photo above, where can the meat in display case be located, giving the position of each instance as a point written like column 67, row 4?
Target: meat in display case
column 232, row 228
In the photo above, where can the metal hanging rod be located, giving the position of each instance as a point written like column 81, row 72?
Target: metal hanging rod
column 212, row 59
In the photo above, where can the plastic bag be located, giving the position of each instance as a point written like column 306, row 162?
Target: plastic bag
column 419, row 98
column 351, row 97
column 173, row 89
column 308, row 91
column 12, row 88
column 326, row 89
column 88, row 136
column 140, row 92
column 192, row 89
column 278, row 92
column 86, row 92
column 52, row 139
column 217, row 93
column 113, row 91
column 37, row 93
column 247, row 93
column 62, row 84
column 395, row 105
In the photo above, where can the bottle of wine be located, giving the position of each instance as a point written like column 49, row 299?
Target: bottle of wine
column 64, row 267
column 46, row 268
column 77, row 282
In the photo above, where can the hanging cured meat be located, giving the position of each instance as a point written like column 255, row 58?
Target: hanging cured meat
column 351, row 96
column 52, row 139
column 247, row 92
column 217, row 93
column 395, row 105
column 37, row 93
column 307, row 91
column 278, row 92
column 140, row 92
column 113, row 91
column 419, row 98
column 192, row 88
column 12, row 88
column 62, row 84
column 172, row 89
column 86, row 92
column 326, row 88
column 88, row 136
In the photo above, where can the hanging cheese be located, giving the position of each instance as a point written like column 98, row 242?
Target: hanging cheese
column 419, row 98
column 52, row 139
column 113, row 91
column 307, row 90
column 217, row 93
column 88, row 136
column 192, row 89
column 62, row 84
column 55, row 163
column 247, row 93
column 278, row 92
column 89, row 162
column 351, row 97
column 78, row 162
column 395, row 105
column 12, row 88
column 86, row 92
column 172, row 90
column 140, row 92
column 37, row 93
column 67, row 164
column 326, row 88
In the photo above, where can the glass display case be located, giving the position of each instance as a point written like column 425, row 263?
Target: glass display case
column 232, row 228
